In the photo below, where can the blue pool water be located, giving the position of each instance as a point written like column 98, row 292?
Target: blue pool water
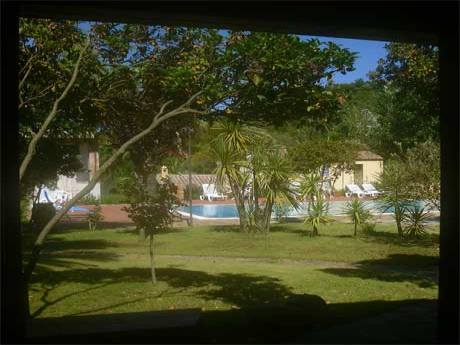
column 78, row 209
column 336, row 208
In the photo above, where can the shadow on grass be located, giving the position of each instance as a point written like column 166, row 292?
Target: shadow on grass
column 384, row 237
column 226, row 228
column 264, row 309
column 135, row 232
column 394, row 268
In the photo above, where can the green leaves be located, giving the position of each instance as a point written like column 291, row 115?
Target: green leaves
column 410, row 111
column 318, row 210
column 415, row 220
column 358, row 212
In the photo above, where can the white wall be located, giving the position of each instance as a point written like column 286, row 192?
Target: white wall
column 90, row 161
column 371, row 171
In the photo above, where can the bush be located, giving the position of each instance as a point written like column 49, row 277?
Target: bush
column 368, row 228
column 94, row 217
column 41, row 215
column 358, row 212
column 318, row 214
column 197, row 191
column 114, row 199
column 414, row 221
column 89, row 200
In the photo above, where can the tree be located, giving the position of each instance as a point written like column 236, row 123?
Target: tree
column 359, row 117
column 409, row 111
column 314, row 152
column 274, row 78
column 423, row 168
column 152, row 64
column 394, row 181
column 152, row 211
column 57, row 72
column 272, row 175
column 161, row 116
column 230, row 148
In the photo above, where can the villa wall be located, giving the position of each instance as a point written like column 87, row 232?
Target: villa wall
column 89, row 158
column 371, row 170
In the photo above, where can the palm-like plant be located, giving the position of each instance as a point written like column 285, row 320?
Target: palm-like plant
column 318, row 214
column 232, row 169
column 272, row 176
column 233, row 141
column 415, row 220
column 357, row 211
column 309, row 188
column 394, row 181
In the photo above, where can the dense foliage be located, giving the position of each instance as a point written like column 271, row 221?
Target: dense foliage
column 409, row 110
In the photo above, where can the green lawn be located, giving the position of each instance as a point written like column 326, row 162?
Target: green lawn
column 330, row 279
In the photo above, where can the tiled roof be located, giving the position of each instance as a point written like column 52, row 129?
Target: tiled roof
column 181, row 180
column 368, row 156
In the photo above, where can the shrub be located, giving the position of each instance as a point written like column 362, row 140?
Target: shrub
column 41, row 214
column 368, row 228
column 114, row 199
column 196, row 192
column 318, row 214
column 89, row 200
column 357, row 211
column 94, row 217
column 415, row 220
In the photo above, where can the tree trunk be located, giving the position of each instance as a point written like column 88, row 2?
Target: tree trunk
column 398, row 219
column 152, row 261
column 267, row 216
column 315, row 231
column 356, row 225
column 239, row 202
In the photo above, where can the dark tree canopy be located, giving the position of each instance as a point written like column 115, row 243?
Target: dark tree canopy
column 409, row 109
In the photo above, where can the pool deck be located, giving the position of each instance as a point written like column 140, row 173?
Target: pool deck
column 114, row 214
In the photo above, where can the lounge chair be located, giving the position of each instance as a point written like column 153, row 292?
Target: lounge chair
column 354, row 189
column 210, row 192
column 56, row 197
column 369, row 189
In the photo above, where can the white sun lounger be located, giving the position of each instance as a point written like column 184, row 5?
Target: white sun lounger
column 369, row 189
column 354, row 189
column 210, row 192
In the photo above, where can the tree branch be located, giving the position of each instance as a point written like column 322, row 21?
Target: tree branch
column 21, row 83
column 33, row 143
column 41, row 94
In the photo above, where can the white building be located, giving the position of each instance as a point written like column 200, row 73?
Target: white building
column 89, row 158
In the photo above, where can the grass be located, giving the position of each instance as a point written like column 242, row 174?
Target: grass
column 231, row 277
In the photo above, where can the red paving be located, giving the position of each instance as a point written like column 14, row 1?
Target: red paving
column 116, row 214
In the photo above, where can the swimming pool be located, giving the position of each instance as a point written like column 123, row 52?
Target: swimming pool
column 78, row 209
column 336, row 208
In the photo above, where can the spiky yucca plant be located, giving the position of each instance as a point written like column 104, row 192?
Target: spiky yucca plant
column 357, row 211
column 318, row 214
column 415, row 220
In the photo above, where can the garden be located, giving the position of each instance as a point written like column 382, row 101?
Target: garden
column 113, row 115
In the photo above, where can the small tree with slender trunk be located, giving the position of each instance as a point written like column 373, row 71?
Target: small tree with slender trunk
column 159, row 118
column 395, row 181
column 151, row 210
